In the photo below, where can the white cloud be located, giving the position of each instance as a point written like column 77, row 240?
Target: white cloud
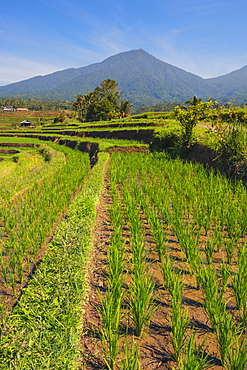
column 14, row 69
column 111, row 41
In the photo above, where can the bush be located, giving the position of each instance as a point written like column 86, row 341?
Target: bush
column 229, row 115
column 154, row 115
column 233, row 115
column 231, row 147
column 46, row 152
column 169, row 142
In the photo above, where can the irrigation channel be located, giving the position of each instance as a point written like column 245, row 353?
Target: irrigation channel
column 168, row 280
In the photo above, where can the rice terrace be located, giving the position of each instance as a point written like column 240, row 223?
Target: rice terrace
column 124, row 240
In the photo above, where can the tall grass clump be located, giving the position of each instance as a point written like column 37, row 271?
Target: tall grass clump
column 110, row 315
column 142, row 302
column 237, row 355
column 239, row 284
column 194, row 357
column 179, row 319
column 131, row 360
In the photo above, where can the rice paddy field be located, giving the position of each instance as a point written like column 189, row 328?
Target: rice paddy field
column 132, row 261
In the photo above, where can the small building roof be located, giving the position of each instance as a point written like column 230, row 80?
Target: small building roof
column 8, row 108
column 26, row 121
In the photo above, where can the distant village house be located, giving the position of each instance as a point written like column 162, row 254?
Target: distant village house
column 22, row 110
column 8, row 109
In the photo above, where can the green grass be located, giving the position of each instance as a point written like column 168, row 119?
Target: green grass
column 28, row 167
column 199, row 207
column 43, row 331
column 35, row 192
column 13, row 122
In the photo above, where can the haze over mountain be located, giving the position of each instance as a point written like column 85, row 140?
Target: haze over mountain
column 144, row 79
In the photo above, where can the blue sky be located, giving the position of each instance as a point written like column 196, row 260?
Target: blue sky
column 38, row 37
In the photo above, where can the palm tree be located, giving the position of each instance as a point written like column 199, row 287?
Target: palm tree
column 194, row 101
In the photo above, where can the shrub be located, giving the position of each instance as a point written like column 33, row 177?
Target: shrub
column 189, row 115
column 169, row 142
column 231, row 147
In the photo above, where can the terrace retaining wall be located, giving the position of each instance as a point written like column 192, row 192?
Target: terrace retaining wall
column 144, row 136
column 87, row 147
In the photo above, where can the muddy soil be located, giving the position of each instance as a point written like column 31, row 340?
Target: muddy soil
column 131, row 149
column 9, row 151
column 18, row 145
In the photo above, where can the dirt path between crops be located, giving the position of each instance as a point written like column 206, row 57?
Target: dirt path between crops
column 155, row 345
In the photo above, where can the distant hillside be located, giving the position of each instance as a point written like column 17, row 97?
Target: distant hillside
column 231, row 86
column 144, row 79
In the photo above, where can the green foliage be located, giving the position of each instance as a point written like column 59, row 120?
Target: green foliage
column 231, row 147
column 44, row 329
column 105, row 110
column 239, row 283
column 132, row 356
column 110, row 315
column 104, row 103
column 41, row 121
column 237, row 356
column 142, row 301
column 162, row 107
column 228, row 135
column 63, row 117
column 110, row 308
column 196, row 200
column 228, row 114
column 233, row 114
column 169, row 142
column 179, row 318
column 154, row 115
column 46, row 153
column 189, row 115
column 195, row 357
column 36, row 104
column 34, row 201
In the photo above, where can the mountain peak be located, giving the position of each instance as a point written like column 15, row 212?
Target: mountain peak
column 144, row 79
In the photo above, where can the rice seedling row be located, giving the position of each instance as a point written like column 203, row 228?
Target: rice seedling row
column 127, row 305
column 206, row 217
column 174, row 286
column 29, row 208
column 43, row 330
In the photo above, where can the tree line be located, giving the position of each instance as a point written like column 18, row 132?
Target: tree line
column 36, row 104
